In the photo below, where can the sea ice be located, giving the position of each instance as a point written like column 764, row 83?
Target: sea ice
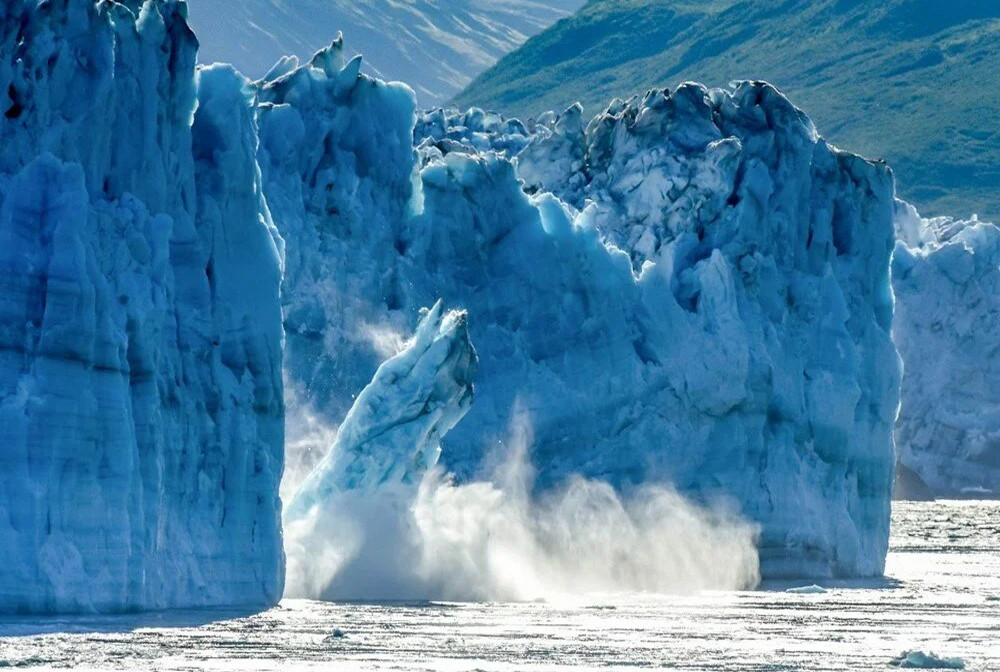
column 922, row 661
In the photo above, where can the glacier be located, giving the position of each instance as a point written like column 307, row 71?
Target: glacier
column 691, row 288
column 946, row 275
column 141, row 397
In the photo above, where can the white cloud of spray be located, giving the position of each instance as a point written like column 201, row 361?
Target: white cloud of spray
column 496, row 540
column 385, row 339
column 307, row 438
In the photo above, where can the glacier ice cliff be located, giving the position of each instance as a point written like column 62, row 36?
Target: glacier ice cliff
column 690, row 289
column 141, row 400
column 696, row 291
column 946, row 274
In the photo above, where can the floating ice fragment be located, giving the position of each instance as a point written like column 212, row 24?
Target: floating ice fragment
column 336, row 634
column 922, row 661
column 807, row 590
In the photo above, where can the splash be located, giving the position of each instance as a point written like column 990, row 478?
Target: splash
column 493, row 540
column 377, row 518
column 307, row 438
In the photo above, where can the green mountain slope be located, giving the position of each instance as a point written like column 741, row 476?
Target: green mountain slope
column 916, row 82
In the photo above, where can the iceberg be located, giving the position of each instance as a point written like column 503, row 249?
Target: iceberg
column 919, row 660
column 692, row 288
column 141, row 400
column 946, row 275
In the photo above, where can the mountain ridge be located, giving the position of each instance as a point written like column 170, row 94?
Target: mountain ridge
column 435, row 46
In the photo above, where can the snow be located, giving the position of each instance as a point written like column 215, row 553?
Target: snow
column 946, row 275
column 141, row 402
column 717, row 318
column 922, row 661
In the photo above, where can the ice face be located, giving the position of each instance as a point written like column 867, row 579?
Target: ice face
column 141, row 403
column 718, row 318
column 946, row 274
column 695, row 293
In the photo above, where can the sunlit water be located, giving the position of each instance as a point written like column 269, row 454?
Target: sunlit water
column 942, row 594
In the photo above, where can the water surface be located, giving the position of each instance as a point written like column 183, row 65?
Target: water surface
column 942, row 594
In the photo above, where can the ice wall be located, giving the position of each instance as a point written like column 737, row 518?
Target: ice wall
column 946, row 274
column 141, row 403
column 718, row 318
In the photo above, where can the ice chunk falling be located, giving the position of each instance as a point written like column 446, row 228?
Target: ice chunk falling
column 392, row 434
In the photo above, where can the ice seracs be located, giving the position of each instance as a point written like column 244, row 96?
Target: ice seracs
column 696, row 293
column 946, row 274
column 141, row 403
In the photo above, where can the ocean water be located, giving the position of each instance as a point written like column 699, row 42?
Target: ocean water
column 941, row 594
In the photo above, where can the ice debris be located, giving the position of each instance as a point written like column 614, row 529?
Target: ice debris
column 922, row 661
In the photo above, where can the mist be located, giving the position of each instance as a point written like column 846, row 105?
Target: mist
column 495, row 540
column 308, row 437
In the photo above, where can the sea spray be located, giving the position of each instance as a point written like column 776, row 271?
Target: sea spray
column 495, row 540
column 378, row 518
